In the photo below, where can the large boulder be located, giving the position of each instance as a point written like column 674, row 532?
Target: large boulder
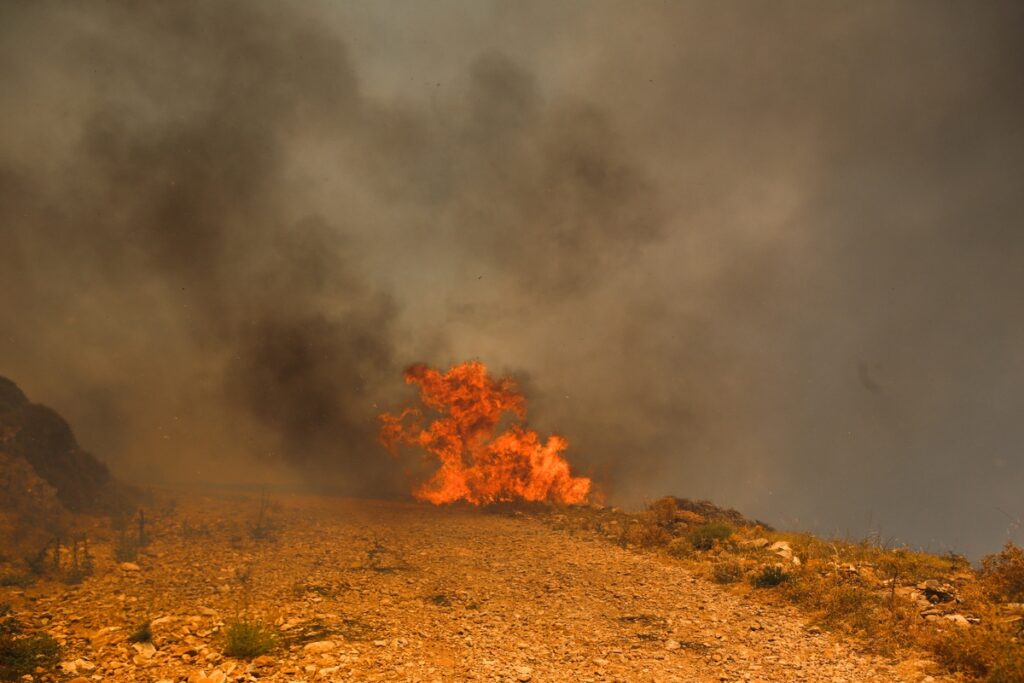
column 42, row 439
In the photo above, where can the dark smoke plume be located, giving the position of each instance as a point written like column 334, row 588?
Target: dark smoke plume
column 767, row 254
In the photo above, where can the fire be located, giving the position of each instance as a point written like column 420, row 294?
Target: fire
column 475, row 464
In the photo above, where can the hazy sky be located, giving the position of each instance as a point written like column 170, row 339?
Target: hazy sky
column 766, row 253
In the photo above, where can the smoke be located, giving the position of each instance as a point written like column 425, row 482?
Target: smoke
column 766, row 255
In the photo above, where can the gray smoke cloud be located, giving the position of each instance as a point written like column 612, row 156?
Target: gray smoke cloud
column 765, row 254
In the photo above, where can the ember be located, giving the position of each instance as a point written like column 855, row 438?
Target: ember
column 476, row 465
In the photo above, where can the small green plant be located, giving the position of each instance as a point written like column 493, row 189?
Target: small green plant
column 729, row 571
column 769, row 577
column 245, row 639
column 705, row 536
column 143, row 633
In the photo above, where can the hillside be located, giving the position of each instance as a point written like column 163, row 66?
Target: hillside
column 321, row 589
column 41, row 438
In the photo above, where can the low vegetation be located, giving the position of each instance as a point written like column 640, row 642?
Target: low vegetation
column 971, row 621
column 727, row 571
column 143, row 633
column 17, row 579
column 769, row 577
column 248, row 638
column 706, row 536
column 23, row 651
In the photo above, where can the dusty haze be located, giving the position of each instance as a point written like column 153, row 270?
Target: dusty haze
column 768, row 254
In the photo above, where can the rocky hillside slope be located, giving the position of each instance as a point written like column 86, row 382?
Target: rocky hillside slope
column 319, row 589
column 36, row 436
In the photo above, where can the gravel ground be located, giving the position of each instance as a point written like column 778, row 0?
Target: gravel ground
column 385, row 591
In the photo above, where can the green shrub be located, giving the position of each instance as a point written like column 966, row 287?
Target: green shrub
column 246, row 639
column 705, row 536
column 769, row 577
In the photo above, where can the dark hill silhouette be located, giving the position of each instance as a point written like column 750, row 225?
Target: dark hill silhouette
column 44, row 440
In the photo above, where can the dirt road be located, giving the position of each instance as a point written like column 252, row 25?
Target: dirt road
column 400, row 592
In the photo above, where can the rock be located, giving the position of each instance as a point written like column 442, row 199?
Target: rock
column 785, row 551
column 217, row 676
column 937, row 592
column 145, row 650
column 688, row 517
column 80, row 679
column 672, row 645
column 319, row 646
column 129, row 567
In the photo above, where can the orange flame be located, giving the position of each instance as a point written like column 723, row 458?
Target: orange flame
column 475, row 465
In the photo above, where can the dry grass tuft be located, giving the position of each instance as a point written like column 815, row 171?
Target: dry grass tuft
column 1003, row 574
column 727, row 571
column 246, row 639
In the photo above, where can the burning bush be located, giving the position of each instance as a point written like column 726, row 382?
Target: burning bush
column 476, row 464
